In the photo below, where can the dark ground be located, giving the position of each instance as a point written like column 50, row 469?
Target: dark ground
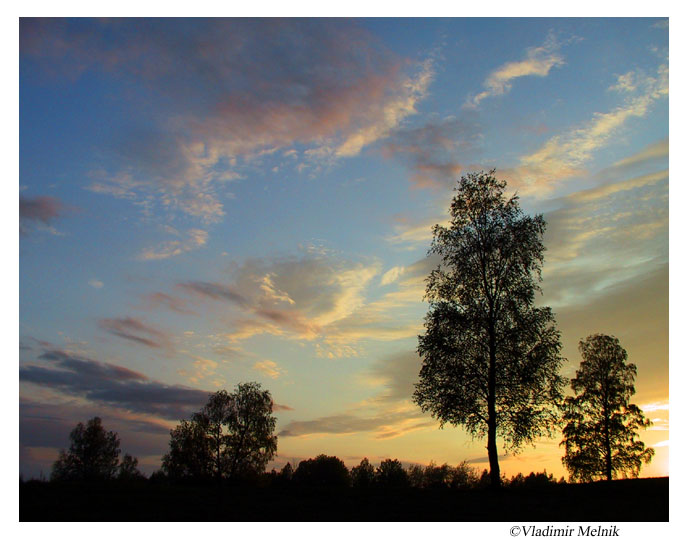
column 622, row 500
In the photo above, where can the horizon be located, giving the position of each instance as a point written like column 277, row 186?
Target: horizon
column 209, row 202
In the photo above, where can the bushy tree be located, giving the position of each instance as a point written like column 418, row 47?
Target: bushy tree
column 363, row 475
column 322, row 471
column 190, row 455
column 390, row 473
column 600, row 433
column 128, row 469
column 490, row 357
column 250, row 425
column 92, row 455
column 230, row 437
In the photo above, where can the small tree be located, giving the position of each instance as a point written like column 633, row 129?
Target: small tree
column 128, row 469
column 390, row 473
column 490, row 358
column 322, row 471
column 600, row 434
column 92, row 455
column 363, row 475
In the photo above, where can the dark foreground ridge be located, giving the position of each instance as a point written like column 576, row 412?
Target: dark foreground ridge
column 645, row 499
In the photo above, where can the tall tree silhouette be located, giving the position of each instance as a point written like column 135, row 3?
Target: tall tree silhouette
column 490, row 358
column 92, row 455
column 232, row 435
column 600, row 435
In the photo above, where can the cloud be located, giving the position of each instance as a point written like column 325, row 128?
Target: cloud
column 397, row 373
column 538, row 61
column 113, row 385
column 96, row 283
column 655, row 151
column 432, row 151
column 215, row 291
column 230, row 91
column 202, row 369
column 391, row 275
column 411, row 235
column 299, row 297
column 384, row 426
column 269, row 368
column 159, row 299
column 134, row 330
column 39, row 213
column 194, row 239
column 564, row 156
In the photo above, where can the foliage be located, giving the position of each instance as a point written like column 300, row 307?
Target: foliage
column 600, row 434
column 190, row 455
column 230, row 437
column 442, row 476
column 92, row 455
column 128, row 469
column 390, row 473
column 532, row 480
column 287, row 472
column 363, row 475
column 322, row 471
column 490, row 358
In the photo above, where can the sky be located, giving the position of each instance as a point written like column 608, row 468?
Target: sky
column 204, row 202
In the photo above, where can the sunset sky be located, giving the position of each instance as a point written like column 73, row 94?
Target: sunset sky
column 208, row 202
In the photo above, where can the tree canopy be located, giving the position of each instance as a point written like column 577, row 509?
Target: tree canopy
column 600, row 433
column 490, row 357
column 231, row 436
column 93, row 455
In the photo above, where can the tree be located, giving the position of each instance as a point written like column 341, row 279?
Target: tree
column 250, row 425
column 231, row 436
column 600, row 434
column 211, row 419
column 190, row 455
column 490, row 358
column 128, row 469
column 92, row 455
column 363, row 475
column 322, row 471
column 390, row 473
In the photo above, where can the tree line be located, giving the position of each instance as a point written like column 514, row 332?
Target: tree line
column 490, row 363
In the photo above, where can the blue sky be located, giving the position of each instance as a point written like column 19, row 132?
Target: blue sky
column 207, row 202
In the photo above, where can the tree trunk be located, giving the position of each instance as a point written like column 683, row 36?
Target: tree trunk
column 493, row 448
column 492, row 417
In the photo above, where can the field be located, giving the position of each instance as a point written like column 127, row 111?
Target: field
column 622, row 500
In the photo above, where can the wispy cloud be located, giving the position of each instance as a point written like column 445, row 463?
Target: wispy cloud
column 136, row 331
column 432, row 151
column 173, row 303
column 191, row 240
column 565, row 156
column 236, row 89
column 383, row 426
column 39, row 213
column 538, row 61
column 269, row 368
